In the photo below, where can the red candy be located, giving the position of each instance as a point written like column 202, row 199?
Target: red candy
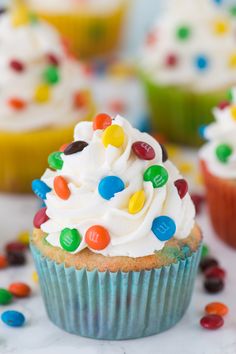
column 16, row 103
column 17, row 65
column 19, row 290
column 15, row 246
column 3, row 262
column 40, row 218
column 212, row 322
column 101, row 121
column 182, row 187
column 215, row 272
column 143, row 150
column 61, row 187
column 52, row 59
column 198, row 201
column 224, row 104
column 97, row 237
column 171, row 60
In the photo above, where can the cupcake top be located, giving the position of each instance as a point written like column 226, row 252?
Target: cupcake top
column 193, row 45
column 220, row 151
column 114, row 191
column 40, row 84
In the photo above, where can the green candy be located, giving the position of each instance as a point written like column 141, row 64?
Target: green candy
column 157, row 175
column 229, row 95
column 5, row 297
column 233, row 10
column 223, row 152
column 183, row 32
column 55, row 161
column 51, row 75
column 205, row 251
column 70, row 239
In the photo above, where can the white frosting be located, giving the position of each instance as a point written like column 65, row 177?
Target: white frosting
column 30, row 44
column 222, row 131
column 200, row 16
column 130, row 234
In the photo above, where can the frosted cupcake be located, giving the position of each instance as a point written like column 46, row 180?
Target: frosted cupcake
column 218, row 163
column 43, row 95
column 189, row 61
column 116, row 246
column 92, row 27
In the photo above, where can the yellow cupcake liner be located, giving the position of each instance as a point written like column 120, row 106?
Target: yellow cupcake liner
column 89, row 34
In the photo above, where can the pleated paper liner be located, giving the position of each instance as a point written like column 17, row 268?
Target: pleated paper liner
column 178, row 113
column 221, row 199
column 119, row 305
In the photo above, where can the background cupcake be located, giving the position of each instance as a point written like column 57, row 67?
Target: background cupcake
column 92, row 27
column 189, row 61
column 116, row 246
column 43, row 94
column 218, row 163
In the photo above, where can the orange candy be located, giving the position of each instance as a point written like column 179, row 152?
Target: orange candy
column 16, row 103
column 3, row 262
column 97, row 237
column 81, row 99
column 63, row 147
column 216, row 308
column 61, row 187
column 19, row 289
column 101, row 121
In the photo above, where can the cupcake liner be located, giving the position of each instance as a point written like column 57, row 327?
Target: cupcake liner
column 177, row 113
column 89, row 34
column 221, row 199
column 119, row 305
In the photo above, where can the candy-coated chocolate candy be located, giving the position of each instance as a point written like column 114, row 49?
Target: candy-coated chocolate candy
column 113, row 135
column 163, row 228
column 164, row 153
column 201, row 131
column 13, row 318
column 221, row 27
column 17, row 103
column 156, row 174
column 208, row 262
column 212, row 322
column 19, row 289
column 183, row 33
column 61, row 188
column 16, row 65
column 3, row 262
column 51, row 75
column 216, row 308
column 117, row 106
column 182, row 187
column 97, row 237
column 53, row 59
column 205, row 251
column 81, row 99
column 232, row 61
column 224, row 104
column 101, row 121
column 76, row 146
column 63, row 147
column 20, row 15
column 40, row 217
column 143, row 150
column 70, row 239
column 198, row 201
column 15, row 258
column 15, row 246
column 40, row 188
column 24, row 237
column 55, row 161
column 42, row 93
column 223, row 152
column 213, row 285
column 5, row 297
column 215, row 272
column 171, row 60
column 35, row 277
column 109, row 186
column 136, row 202
column 201, row 62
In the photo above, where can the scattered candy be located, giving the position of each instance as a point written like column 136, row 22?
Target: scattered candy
column 97, row 237
column 19, row 290
column 213, row 285
column 17, row 103
column 16, row 258
column 215, row 272
column 156, row 174
column 15, row 246
column 113, row 135
column 42, row 93
column 208, row 262
column 5, row 297
column 216, row 308
column 13, row 318
column 70, row 239
column 143, row 150
column 40, row 188
column 35, row 277
column 55, row 161
column 205, row 251
column 16, row 65
column 51, row 75
column 61, row 188
column 223, row 152
column 24, row 237
column 164, row 153
column 76, row 146
column 101, row 121
column 3, row 262
column 136, row 202
column 163, row 228
column 109, row 186
column 52, row 59
column 40, row 217
column 212, row 322
column 182, row 187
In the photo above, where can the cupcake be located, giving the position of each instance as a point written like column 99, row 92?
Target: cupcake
column 116, row 246
column 218, row 165
column 43, row 95
column 92, row 27
column 188, row 63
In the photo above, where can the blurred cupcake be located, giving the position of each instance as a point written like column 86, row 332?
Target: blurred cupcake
column 43, row 95
column 92, row 27
column 218, row 163
column 189, row 61
column 116, row 245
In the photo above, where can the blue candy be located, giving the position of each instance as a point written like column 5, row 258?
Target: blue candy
column 13, row 318
column 109, row 186
column 163, row 228
column 201, row 62
column 40, row 188
column 201, row 131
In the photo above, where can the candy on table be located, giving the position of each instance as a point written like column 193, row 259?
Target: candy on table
column 3, row 262
column 51, row 75
column 40, row 217
column 97, row 237
column 212, row 322
column 70, row 239
column 213, row 285
column 15, row 252
column 13, row 318
column 35, row 277
column 215, row 272
column 19, row 289
column 5, row 297
column 216, row 308
column 208, row 262
column 24, row 237
column 61, row 187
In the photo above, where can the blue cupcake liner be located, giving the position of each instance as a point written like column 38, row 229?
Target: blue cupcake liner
column 116, row 305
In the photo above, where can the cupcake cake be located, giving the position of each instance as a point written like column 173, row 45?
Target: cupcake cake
column 218, row 164
column 116, row 246
column 44, row 93
column 188, row 63
column 92, row 27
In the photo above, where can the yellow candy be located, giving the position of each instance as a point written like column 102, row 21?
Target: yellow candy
column 19, row 13
column 136, row 202
column 113, row 135
column 24, row 237
column 185, row 167
column 42, row 93
column 232, row 61
column 221, row 26
column 35, row 277
column 233, row 111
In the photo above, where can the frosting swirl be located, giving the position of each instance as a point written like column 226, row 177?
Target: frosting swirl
column 129, row 207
